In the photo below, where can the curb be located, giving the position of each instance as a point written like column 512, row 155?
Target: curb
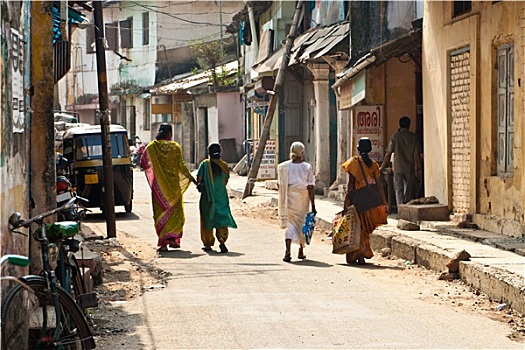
column 496, row 283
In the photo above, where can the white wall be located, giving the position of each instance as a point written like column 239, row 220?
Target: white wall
column 82, row 78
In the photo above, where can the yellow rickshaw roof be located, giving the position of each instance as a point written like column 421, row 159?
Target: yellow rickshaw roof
column 92, row 129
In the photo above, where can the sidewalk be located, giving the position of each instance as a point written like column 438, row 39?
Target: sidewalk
column 496, row 266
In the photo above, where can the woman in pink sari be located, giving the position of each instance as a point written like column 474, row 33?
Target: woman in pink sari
column 168, row 177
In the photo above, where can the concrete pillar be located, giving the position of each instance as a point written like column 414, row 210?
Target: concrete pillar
column 343, row 127
column 343, row 117
column 200, row 135
column 321, row 125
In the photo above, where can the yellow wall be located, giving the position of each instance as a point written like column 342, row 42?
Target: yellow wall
column 392, row 85
column 486, row 27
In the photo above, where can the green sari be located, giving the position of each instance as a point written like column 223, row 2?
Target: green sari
column 214, row 203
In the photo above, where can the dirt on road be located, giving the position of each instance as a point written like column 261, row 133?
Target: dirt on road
column 130, row 271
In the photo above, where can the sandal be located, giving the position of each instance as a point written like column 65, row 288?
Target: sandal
column 172, row 244
column 287, row 258
column 223, row 248
column 162, row 249
column 361, row 260
column 301, row 257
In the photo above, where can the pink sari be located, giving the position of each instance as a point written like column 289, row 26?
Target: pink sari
column 168, row 177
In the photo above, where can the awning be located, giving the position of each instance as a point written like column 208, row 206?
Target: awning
column 74, row 16
column 193, row 80
column 310, row 45
column 409, row 43
column 272, row 63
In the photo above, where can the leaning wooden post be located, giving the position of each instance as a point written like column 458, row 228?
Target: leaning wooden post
column 254, row 169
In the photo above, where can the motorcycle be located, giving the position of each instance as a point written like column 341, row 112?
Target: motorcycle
column 65, row 191
column 136, row 155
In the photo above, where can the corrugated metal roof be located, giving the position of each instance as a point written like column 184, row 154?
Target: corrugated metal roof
column 310, row 45
column 193, row 80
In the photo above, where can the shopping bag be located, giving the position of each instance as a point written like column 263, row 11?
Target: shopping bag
column 309, row 226
column 346, row 232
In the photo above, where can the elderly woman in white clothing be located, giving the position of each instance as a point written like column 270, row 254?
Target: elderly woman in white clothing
column 296, row 194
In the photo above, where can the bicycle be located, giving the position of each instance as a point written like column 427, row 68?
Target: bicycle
column 37, row 313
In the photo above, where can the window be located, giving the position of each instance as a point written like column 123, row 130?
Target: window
column 123, row 114
column 111, row 34
column 461, row 7
column 90, row 39
column 145, row 28
column 505, row 128
column 126, row 33
column 147, row 114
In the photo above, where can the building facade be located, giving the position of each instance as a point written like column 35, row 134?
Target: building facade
column 472, row 102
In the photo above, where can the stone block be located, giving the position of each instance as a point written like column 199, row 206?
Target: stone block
column 501, row 286
column 423, row 212
column 404, row 247
column 271, row 185
column 432, row 257
column 381, row 239
column 88, row 281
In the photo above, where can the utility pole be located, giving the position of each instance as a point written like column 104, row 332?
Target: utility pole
column 254, row 169
column 41, row 132
column 220, row 21
column 109, row 194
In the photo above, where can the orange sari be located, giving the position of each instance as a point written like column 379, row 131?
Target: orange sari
column 369, row 219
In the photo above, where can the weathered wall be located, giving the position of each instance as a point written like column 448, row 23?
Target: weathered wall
column 392, row 85
column 231, row 124
column 13, row 145
column 498, row 201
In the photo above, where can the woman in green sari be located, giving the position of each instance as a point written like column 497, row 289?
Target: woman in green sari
column 168, row 177
column 214, row 205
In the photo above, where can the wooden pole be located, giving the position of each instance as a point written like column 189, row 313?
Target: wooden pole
column 109, row 194
column 254, row 169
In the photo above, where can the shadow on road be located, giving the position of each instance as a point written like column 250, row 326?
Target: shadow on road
column 370, row 266
column 99, row 217
column 312, row 263
column 179, row 254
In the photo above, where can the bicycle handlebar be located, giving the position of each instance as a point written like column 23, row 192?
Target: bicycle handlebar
column 16, row 221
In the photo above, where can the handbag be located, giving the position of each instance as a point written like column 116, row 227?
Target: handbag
column 367, row 197
column 346, row 231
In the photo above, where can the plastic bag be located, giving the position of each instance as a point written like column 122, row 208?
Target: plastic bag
column 309, row 226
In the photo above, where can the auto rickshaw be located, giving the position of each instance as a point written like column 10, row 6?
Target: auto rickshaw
column 82, row 146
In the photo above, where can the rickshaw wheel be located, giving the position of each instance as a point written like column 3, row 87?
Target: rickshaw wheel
column 129, row 207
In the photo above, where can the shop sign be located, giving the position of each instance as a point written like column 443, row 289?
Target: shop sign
column 369, row 122
column 354, row 91
column 268, row 167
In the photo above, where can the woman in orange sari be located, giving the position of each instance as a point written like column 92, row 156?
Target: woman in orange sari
column 168, row 177
column 374, row 217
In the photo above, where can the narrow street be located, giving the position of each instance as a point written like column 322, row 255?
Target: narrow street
column 250, row 298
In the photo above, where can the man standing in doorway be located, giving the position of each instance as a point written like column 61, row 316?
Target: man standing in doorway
column 406, row 165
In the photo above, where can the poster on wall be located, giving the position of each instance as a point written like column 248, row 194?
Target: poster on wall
column 17, row 81
column 369, row 122
column 268, row 167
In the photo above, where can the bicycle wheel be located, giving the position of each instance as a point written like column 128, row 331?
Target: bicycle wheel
column 29, row 319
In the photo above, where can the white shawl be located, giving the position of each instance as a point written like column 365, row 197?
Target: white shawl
column 282, row 179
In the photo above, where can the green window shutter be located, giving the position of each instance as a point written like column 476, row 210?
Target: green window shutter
column 510, row 110
column 502, row 110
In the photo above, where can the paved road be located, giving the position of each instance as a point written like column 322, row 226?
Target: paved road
column 249, row 298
